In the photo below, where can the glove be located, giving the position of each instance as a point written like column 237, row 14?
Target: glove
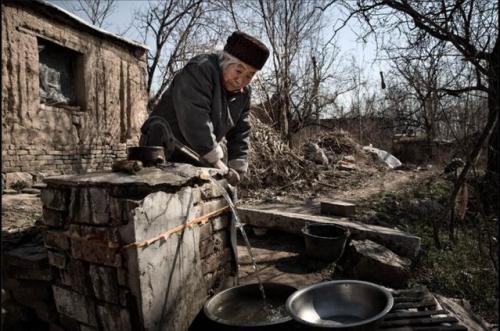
column 233, row 177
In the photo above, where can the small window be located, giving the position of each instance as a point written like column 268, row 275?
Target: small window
column 59, row 69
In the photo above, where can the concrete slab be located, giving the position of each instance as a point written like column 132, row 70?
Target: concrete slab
column 274, row 217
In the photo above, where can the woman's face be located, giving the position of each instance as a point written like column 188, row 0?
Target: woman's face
column 236, row 76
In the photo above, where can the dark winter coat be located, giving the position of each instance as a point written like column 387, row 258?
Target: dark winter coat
column 201, row 112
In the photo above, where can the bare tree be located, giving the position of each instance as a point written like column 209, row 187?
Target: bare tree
column 169, row 25
column 470, row 29
column 300, row 63
column 95, row 10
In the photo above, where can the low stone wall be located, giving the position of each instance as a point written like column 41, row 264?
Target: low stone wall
column 114, row 267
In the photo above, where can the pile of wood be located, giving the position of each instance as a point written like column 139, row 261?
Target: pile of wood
column 271, row 161
column 273, row 164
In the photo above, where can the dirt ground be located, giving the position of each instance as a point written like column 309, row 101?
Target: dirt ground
column 20, row 211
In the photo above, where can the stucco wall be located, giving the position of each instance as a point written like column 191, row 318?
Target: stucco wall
column 38, row 138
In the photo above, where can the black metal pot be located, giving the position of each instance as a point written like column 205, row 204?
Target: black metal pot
column 242, row 308
column 325, row 241
column 150, row 156
column 346, row 305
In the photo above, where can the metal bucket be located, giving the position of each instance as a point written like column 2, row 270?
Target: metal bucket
column 340, row 305
column 325, row 241
column 242, row 308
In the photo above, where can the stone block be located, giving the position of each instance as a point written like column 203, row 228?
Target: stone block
column 95, row 251
column 56, row 240
column 122, row 276
column 84, row 327
column 206, row 207
column 11, row 178
column 75, row 306
column 221, row 241
column 57, row 260
column 220, row 222
column 338, row 208
column 54, row 218
column 113, row 318
column 125, row 297
column 104, row 283
column 121, row 211
column 207, row 191
column 206, row 231
column 206, row 247
column 89, row 206
column 216, row 260
column 31, row 191
column 55, row 199
column 76, row 277
column 365, row 256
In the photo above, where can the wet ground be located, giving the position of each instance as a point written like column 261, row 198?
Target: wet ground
column 281, row 259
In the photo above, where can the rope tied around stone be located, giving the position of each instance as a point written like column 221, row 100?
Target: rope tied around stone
column 164, row 235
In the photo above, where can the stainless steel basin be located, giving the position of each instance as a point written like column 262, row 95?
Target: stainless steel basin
column 340, row 305
column 242, row 307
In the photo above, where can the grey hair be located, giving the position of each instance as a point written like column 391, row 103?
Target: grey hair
column 226, row 59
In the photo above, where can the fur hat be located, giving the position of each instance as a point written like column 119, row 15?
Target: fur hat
column 247, row 49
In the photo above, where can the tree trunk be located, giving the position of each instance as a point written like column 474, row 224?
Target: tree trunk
column 494, row 109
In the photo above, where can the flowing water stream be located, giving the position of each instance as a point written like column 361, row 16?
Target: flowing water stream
column 243, row 233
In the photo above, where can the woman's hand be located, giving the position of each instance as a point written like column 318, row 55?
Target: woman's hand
column 233, row 177
column 222, row 167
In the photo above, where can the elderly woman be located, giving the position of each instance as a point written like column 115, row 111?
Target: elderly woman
column 207, row 106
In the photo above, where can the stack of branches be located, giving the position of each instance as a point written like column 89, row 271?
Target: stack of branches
column 338, row 142
column 271, row 161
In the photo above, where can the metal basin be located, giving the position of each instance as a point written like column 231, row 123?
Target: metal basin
column 242, row 307
column 340, row 305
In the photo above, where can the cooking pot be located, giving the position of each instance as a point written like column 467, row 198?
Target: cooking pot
column 243, row 308
column 325, row 241
column 347, row 305
column 150, row 156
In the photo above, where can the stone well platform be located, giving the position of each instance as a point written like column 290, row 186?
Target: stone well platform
column 135, row 252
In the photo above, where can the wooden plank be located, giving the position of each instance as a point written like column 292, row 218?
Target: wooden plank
column 412, row 314
column 427, row 328
column 274, row 217
column 406, row 299
column 420, row 321
column 417, row 305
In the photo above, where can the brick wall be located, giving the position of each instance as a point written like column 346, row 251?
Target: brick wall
column 109, row 78
column 61, row 159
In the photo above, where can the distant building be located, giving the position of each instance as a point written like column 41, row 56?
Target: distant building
column 73, row 95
